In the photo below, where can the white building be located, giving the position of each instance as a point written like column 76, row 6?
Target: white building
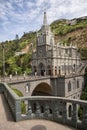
column 51, row 58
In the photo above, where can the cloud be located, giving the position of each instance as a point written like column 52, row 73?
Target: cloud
column 18, row 16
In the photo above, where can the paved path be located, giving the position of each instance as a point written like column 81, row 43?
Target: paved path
column 7, row 122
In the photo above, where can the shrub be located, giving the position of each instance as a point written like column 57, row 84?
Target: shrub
column 23, row 106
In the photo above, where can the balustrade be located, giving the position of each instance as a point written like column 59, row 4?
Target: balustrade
column 74, row 114
column 64, row 112
column 38, row 110
column 84, row 119
column 51, row 108
column 29, row 108
column 46, row 113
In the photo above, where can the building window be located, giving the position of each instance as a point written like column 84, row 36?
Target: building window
column 59, row 73
column 49, row 70
column 74, row 84
column 69, row 86
column 55, row 70
column 77, row 83
column 74, row 97
column 70, row 110
column 59, row 52
column 66, row 51
column 35, row 70
column 60, row 113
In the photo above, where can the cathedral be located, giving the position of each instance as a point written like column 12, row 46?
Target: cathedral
column 61, row 62
column 56, row 68
column 53, row 58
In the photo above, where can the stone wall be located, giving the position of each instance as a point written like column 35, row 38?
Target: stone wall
column 47, row 107
column 65, row 86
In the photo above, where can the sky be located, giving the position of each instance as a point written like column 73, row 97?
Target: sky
column 19, row 16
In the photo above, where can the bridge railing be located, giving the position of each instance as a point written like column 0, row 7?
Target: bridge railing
column 1, row 88
column 57, row 109
column 21, row 78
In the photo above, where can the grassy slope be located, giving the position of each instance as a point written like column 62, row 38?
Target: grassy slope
column 76, row 34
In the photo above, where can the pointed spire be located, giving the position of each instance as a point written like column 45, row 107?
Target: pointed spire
column 45, row 18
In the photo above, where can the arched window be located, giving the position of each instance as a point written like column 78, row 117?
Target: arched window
column 59, row 71
column 35, row 70
column 70, row 110
column 77, row 83
column 69, row 86
column 60, row 113
column 50, row 111
column 49, row 70
column 55, row 70
column 59, row 52
column 74, row 83
column 42, row 69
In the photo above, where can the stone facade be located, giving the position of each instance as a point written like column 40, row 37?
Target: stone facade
column 59, row 61
column 56, row 69
column 53, row 58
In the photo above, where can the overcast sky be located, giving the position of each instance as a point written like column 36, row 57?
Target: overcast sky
column 19, row 16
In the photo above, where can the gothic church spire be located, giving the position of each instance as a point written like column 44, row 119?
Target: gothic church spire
column 45, row 19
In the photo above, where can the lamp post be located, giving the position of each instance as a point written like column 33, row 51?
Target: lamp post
column 3, row 47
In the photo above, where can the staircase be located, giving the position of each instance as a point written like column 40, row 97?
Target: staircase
column 82, row 67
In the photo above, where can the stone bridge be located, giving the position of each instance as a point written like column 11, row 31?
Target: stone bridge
column 48, row 85
column 30, row 85
column 46, row 107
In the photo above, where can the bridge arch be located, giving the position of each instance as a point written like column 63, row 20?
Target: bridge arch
column 42, row 89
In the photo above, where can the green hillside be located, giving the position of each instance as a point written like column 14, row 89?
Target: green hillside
column 65, row 31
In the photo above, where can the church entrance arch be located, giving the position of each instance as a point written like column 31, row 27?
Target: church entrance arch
column 43, row 89
column 42, row 69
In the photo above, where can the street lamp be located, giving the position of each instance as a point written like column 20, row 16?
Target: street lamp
column 3, row 47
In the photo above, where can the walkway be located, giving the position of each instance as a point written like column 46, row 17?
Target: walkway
column 22, row 78
column 7, row 123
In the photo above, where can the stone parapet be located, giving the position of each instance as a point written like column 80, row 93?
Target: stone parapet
column 47, row 107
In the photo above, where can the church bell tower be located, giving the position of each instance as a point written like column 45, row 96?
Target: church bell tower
column 45, row 39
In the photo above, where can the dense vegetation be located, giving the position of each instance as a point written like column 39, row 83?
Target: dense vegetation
column 83, row 96
column 84, row 93
column 66, row 32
